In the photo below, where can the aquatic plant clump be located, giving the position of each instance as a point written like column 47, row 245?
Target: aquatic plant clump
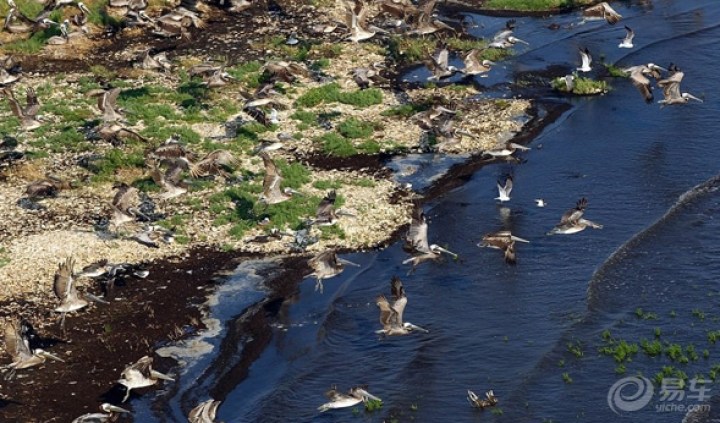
column 580, row 86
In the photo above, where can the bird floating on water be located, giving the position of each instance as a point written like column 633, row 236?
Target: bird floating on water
column 572, row 221
column 502, row 240
column 391, row 315
column 504, row 190
column 205, row 412
column 140, row 375
column 540, row 202
column 355, row 396
column 627, row 42
column 490, row 399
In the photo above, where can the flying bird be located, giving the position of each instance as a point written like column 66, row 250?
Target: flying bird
column 586, row 60
column 325, row 266
column 504, row 190
column 214, row 163
column 474, row 66
column 355, row 396
column 124, row 205
column 28, row 114
column 391, row 315
column 572, row 221
column 140, row 375
column 502, row 240
column 490, row 399
column 671, row 89
column 416, row 241
column 627, row 42
column 272, row 191
column 17, row 346
column 205, row 412
column 110, row 414
column 438, row 64
column 602, row 11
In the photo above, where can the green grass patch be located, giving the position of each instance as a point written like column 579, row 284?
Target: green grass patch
column 331, row 232
column 353, row 128
column 331, row 93
column 527, row 5
column 337, row 145
column 582, row 86
column 114, row 160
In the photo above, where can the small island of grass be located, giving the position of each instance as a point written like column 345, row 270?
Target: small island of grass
column 580, row 85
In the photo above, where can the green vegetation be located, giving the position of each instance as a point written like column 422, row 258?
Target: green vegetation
column 528, row 5
column 413, row 50
column 331, row 93
column 581, row 86
column 354, row 128
column 4, row 259
column 615, row 71
column 575, row 349
column 372, row 405
column 566, row 378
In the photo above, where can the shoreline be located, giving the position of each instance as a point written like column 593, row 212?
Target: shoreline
column 181, row 277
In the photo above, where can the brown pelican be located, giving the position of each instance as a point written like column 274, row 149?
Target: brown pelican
column 172, row 148
column 272, row 191
column 416, row 241
column 64, row 36
column 490, row 400
column 502, row 240
column 504, row 38
column 140, row 375
column 237, row 6
column 157, row 62
column 107, row 103
column 170, row 180
column 452, row 136
column 506, row 150
column 325, row 266
column 213, row 163
column 586, row 59
column 110, row 414
column 355, row 20
column 65, row 290
column 203, row 69
column 280, row 71
column 572, row 221
column 627, row 42
column 601, row 11
column 28, row 114
column 391, row 315
column 218, row 79
column 505, row 190
column 6, row 78
column 671, row 89
column 425, row 21
column 18, row 346
column 638, row 75
column 363, row 76
column 473, row 65
column 124, row 205
column 48, row 187
column 205, row 412
column 115, row 134
column 438, row 64
column 82, row 18
column 427, row 118
column 356, row 395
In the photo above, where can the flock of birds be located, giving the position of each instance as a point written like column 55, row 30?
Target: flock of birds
column 171, row 160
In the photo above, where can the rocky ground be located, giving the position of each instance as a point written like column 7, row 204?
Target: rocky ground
column 338, row 142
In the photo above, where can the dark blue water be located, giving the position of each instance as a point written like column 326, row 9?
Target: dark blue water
column 494, row 326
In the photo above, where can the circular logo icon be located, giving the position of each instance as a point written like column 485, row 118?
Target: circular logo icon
column 630, row 394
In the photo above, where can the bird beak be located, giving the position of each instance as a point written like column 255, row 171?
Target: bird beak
column 93, row 298
column 447, row 252
column 519, row 147
column 692, row 97
column 343, row 261
column 295, row 192
column 51, row 356
column 517, row 40
column 367, row 394
column 415, row 327
column 517, row 238
column 116, row 409
column 163, row 376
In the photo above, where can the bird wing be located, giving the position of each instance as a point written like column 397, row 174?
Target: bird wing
column 417, row 237
column 125, row 198
column 586, row 58
column 174, row 172
column 323, row 261
column 508, row 185
column 630, row 34
column 273, row 176
column 471, row 59
column 14, row 344
column 440, row 57
column 399, row 307
column 573, row 215
column 396, row 287
column 14, row 105
column 63, row 284
column 642, row 84
column 33, row 106
column 427, row 7
column 326, row 206
column 110, row 98
column 387, row 314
